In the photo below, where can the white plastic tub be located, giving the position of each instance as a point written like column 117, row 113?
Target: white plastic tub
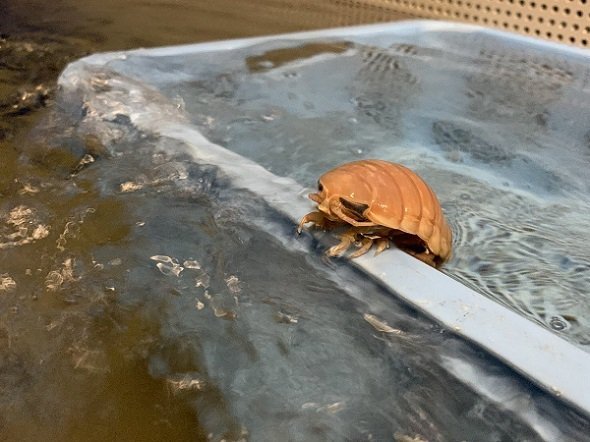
column 151, row 87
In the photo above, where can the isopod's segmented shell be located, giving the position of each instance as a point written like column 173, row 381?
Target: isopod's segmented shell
column 396, row 198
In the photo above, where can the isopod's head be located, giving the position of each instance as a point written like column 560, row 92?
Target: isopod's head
column 342, row 184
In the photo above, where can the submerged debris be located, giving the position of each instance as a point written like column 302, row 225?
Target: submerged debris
column 56, row 278
column 86, row 160
column 72, row 228
column 53, row 280
column 20, row 226
column 186, row 382
column 221, row 308
column 398, row 437
column 6, row 282
column 233, row 284
column 191, row 264
column 167, row 265
column 130, row 186
column 380, row 325
column 203, row 280
column 285, row 318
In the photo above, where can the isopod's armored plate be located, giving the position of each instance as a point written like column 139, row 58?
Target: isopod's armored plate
column 383, row 199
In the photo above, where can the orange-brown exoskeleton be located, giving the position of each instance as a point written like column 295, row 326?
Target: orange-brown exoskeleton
column 381, row 202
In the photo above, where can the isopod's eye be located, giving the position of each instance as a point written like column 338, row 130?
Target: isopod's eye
column 320, row 186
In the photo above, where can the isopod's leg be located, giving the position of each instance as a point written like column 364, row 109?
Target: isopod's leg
column 336, row 208
column 428, row 258
column 312, row 217
column 366, row 244
column 382, row 244
column 346, row 240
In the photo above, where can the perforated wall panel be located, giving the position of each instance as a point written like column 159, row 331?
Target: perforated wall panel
column 565, row 21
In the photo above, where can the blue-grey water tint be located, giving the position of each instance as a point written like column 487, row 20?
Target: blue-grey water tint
column 179, row 307
column 500, row 131
column 169, row 305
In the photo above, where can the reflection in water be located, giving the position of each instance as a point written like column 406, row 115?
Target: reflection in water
column 384, row 70
column 136, row 303
column 516, row 196
column 169, row 309
column 75, row 343
column 515, row 85
column 273, row 59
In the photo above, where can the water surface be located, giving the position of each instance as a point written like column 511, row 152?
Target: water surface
column 497, row 129
column 142, row 298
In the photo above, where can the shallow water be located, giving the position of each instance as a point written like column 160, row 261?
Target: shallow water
column 168, row 304
column 67, row 372
column 139, row 302
column 500, row 134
